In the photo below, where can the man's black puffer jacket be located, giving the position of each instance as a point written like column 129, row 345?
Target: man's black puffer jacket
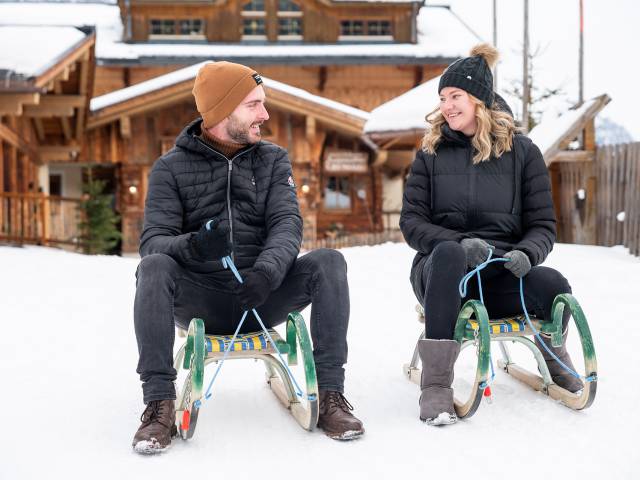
column 190, row 185
column 505, row 201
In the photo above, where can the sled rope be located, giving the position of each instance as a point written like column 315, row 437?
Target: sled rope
column 462, row 289
column 228, row 263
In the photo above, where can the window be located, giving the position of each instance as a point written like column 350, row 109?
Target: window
column 351, row 27
column 183, row 28
column 253, row 20
column 254, row 6
column 289, row 20
column 253, row 27
column 379, row 27
column 365, row 30
column 337, row 193
column 290, row 27
column 288, row 6
column 55, row 184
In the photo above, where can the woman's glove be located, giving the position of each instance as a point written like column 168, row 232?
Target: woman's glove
column 211, row 243
column 476, row 250
column 254, row 291
column 518, row 264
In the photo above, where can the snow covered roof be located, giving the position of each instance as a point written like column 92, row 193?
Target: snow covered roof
column 40, row 47
column 187, row 75
column 406, row 112
column 441, row 38
column 550, row 133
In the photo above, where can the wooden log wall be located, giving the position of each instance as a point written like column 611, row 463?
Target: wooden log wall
column 321, row 22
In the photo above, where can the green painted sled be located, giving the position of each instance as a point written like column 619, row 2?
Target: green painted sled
column 201, row 349
column 474, row 327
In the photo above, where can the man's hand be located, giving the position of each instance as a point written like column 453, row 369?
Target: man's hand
column 518, row 264
column 477, row 251
column 211, row 242
column 254, row 291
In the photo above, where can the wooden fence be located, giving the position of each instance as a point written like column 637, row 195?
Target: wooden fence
column 36, row 218
column 599, row 202
column 618, row 213
column 354, row 240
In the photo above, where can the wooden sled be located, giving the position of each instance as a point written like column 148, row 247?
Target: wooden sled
column 474, row 327
column 200, row 350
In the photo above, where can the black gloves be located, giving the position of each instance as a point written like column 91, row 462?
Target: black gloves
column 254, row 291
column 518, row 264
column 212, row 243
column 477, row 251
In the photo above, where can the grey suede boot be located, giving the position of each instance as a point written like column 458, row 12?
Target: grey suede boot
column 436, row 401
column 559, row 375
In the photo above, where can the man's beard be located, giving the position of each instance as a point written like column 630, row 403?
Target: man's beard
column 240, row 133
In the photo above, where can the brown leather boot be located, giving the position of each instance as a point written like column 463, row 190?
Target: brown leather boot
column 158, row 426
column 336, row 418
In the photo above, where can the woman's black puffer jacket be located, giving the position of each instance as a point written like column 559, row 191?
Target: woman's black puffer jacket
column 505, row 201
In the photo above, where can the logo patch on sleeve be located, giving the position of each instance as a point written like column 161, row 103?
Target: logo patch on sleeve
column 291, row 182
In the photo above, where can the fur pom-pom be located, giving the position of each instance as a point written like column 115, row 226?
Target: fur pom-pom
column 486, row 51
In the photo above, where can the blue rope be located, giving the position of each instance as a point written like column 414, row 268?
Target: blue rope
column 228, row 263
column 462, row 289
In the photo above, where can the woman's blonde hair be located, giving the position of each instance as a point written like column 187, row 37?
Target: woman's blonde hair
column 494, row 134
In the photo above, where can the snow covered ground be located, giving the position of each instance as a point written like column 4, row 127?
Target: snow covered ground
column 72, row 399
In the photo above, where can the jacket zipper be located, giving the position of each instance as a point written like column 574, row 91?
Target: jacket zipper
column 472, row 193
column 230, row 169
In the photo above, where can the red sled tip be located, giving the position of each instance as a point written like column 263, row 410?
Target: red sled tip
column 186, row 417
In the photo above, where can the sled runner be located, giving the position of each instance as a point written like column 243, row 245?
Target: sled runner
column 201, row 349
column 474, row 328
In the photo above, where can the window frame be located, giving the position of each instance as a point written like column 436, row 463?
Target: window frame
column 325, row 181
column 178, row 35
column 366, row 32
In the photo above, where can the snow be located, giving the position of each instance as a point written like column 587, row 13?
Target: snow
column 72, row 399
column 551, row 130
column 405, row 112
column 148, row 86
column 106, row 19
column 189, row 73
column 40, row 47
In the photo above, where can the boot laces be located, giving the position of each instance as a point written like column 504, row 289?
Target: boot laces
column 153, row 413
column 337, row 400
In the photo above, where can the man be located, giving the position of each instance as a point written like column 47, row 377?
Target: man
column 220, row 170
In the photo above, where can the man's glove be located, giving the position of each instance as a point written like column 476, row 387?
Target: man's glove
column 518, row 263
column 477, row 251
column 211, row 243
column 254, row 291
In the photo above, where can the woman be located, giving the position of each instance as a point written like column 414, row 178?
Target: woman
column 477, row 185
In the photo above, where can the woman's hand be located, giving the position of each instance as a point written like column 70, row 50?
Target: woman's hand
column 476, row 250
column 518, row 264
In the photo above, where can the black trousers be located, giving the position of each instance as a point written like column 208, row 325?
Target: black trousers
column 436, row 287
column 167, row 294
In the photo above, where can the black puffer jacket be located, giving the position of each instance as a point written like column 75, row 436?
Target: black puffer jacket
column 253, row 194
column 505, row 201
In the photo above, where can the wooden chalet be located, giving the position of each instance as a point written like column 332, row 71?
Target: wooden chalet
column 338, row 188
column 44, row 104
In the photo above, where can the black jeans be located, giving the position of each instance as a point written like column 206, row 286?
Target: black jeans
column 168, row 293
column 435, row 283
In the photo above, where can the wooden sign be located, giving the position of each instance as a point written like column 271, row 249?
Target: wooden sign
column 345, row 161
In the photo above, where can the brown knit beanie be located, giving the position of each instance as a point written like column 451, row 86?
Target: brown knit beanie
column 220, row 87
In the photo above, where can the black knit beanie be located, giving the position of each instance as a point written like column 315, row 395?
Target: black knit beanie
column 473, row 74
